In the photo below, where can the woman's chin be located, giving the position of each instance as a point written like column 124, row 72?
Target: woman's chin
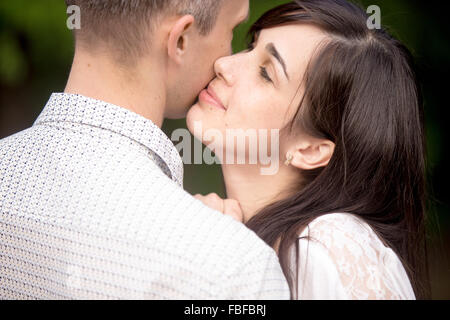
column 194, row 114
column 195, row 120
column 203, row 122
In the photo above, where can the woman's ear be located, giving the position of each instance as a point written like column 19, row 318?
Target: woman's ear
column 311, row 154
column 179, row 37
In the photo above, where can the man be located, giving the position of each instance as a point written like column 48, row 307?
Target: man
column 91, row 199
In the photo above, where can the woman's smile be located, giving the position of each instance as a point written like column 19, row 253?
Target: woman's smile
column 210, row 97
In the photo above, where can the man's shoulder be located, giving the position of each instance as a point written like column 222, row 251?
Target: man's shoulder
column 123, row 203
column 175, row 212
column 123, row 194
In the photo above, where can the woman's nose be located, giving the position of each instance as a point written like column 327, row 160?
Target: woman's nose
column 223, row 68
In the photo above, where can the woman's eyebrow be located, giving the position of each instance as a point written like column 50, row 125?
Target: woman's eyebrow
column 270, row 47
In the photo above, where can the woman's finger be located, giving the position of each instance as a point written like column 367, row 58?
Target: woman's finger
column 233, row 209
column 211, row 200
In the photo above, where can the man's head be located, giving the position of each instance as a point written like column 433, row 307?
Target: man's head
column 179, row 39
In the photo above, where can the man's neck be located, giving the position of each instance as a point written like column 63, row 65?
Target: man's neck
column 100, row 78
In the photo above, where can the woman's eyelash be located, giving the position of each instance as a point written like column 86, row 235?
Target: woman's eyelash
column 264, row 74
column 262, row 70
column 251, row 46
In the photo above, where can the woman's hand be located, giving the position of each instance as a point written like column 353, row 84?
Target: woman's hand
column 228, row 207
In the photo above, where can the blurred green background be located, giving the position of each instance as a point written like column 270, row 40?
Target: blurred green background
column 36, row 51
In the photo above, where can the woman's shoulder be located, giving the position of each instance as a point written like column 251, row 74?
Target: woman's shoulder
column 340, row 226
column 345, row 235
column 367, row 268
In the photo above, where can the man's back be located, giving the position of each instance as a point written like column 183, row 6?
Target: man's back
column 86, row 211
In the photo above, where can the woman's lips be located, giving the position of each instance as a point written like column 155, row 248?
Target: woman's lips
column 208, row 96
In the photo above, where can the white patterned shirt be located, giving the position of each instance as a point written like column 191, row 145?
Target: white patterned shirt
column 92, row 207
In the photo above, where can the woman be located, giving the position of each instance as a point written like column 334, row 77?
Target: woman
column 346, row 213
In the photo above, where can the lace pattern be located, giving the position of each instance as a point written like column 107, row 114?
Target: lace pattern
column 344, row 246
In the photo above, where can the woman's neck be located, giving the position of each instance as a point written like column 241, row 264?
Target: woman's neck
column 254, row 191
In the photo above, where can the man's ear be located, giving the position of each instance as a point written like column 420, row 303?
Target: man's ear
column 312, row 154
column 179, row 37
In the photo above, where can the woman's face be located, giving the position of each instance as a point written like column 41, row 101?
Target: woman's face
column 258, row 88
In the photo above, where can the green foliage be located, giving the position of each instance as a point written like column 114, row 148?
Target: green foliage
column 257, row 8
column 13, row 66
column 33, row 36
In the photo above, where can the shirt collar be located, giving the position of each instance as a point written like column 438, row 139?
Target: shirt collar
column 74, row 108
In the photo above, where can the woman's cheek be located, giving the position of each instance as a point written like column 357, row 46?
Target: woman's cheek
column 247, row 112
column 263, row 114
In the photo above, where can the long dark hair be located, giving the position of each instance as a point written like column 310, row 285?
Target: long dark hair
column 361, row 93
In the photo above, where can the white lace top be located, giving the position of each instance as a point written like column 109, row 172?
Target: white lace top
column 345, row 259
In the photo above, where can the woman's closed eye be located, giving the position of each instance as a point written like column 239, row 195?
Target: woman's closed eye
column 262, row 70
column 264, row 74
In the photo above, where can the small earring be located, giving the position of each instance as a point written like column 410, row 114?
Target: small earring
column 289, row 159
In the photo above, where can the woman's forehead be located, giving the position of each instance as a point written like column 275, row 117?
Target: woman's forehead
column 293, row 35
